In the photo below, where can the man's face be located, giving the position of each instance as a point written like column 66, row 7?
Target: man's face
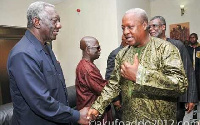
column 94, row 50
column 50, row 25
column 156, row 28
column 133, row 29
column 193, row 39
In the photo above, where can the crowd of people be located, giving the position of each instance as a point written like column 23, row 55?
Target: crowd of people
column 150, row 79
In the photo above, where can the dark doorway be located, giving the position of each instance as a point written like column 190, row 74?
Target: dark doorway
column 9, row 36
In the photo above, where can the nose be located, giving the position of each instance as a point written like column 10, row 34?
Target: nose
column 126, row 30
column 58, row 25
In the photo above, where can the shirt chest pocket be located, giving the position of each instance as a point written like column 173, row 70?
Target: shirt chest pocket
column 51, row 80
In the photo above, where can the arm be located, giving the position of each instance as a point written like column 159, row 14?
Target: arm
column 110, row 91
column 95, row 82
column 33, row 87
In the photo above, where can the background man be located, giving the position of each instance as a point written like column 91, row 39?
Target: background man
column 111, row 58
column 37, row 83
column 194, row 52
column 149, row 74
column 89, row 82
column 157, row 28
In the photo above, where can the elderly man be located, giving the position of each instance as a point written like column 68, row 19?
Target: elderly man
column 89, row 81
column 37, row 83
column 149, row 73
column 157, row 28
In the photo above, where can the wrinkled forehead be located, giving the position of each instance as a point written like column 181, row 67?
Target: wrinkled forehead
column 155, row 21
column 131, row 18
column 51, row 12
column 93, row 43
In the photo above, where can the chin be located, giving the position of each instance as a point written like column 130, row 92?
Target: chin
column 131, row 43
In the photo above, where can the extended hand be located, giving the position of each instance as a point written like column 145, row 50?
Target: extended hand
column 117, row 105
column 129, row 71
column 92, row 114
column 189, row 106
column 83, row 116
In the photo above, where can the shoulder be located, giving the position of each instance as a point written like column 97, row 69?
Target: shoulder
column 85, row 66
column 162, row 45
column 177, row 43
column 115, row 51
column 23, row 47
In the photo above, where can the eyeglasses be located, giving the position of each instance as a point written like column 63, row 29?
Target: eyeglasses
column 98, row 47
column 155, row 25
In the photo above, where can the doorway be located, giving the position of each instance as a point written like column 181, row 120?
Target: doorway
column 9, row 36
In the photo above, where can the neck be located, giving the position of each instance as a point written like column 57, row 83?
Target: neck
column 37, row 35
column 145, row 41
column 86, row 57
column 194, row 45
column 162, row 36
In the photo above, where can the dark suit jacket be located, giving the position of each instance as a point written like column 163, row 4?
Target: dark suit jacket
column 37, row 85
column 111, row 62
column 191, row 94
column 197, row 64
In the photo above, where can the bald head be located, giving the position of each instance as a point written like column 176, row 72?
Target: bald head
column 87, row 41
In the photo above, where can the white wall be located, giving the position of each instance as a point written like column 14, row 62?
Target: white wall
column 170, row 10
column 98, row 18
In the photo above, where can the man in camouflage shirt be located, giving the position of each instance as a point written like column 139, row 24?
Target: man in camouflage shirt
column 149, row 73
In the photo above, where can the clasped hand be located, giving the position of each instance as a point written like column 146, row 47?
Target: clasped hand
column 129, row 71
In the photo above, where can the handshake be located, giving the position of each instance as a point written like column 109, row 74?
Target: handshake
column 87, row 114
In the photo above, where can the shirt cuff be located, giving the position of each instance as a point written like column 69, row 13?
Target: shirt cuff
column 75, row 116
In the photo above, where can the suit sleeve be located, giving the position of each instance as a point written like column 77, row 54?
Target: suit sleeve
column 110, row 65
column 31, row 83
column 191, row 95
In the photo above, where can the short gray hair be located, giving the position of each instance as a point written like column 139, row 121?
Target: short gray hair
column 162, row 19
column 36, row 9
column 140, row 12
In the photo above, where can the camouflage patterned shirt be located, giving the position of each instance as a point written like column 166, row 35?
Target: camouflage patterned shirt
column 160, row 80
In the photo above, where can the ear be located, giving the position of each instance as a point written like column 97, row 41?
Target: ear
column 36, row 23
column 87, row 50
column 145, row 26
column 163, row 27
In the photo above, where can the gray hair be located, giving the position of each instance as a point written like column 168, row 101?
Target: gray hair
column 140, row 12
column 162, row 19
column 37, row 9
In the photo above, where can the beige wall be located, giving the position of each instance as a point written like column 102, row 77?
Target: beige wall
column 170, row 10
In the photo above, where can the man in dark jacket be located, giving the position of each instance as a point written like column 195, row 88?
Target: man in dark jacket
column 194, row 52
column 157, row 28
column 37, row 83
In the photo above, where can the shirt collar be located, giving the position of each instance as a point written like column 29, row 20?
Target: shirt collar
column 34, row 40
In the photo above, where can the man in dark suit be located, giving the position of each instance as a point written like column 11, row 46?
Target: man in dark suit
column 157, row 28
column 111, row 58
column 37, row 83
